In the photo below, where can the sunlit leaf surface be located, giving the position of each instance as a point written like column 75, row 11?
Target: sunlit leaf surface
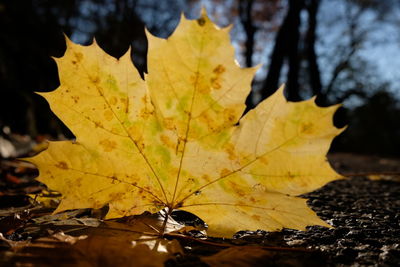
column 177, row 139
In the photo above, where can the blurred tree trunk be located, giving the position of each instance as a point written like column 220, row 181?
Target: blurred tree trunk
column 286, row 46
column 313, row 68
column 292, row 88
column 245, row 8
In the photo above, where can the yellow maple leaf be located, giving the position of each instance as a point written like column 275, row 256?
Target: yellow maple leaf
column 174, row 140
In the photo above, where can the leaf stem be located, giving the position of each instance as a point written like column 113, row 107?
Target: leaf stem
column 164, row 225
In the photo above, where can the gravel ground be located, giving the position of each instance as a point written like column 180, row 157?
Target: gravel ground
column 366, row 217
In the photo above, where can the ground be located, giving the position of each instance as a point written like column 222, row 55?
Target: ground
column 363, row 208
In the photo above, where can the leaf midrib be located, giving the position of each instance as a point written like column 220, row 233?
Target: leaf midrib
column 196, row 83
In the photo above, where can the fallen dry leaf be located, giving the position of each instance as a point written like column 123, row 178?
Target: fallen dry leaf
column 133, row 243
column 61, row 236
column 116, row 244
column 176, row 140
column 240, row 257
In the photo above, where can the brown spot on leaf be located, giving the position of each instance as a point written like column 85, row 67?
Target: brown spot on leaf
column 194, row 78
column 290, row 175
column 264, row 160
column 259, row 188
column 256, row 217
column 201, row 21
column 144, row 99
column 206, row 177
column 230, row 115
column 204, row 89
column 207, row 119
column 215, row 83
column 62, row 165
column 140, row 145
column 224, row 172
column 180, row 145
column 230, row 149
column 124, row 102
column 144, row 113
column 237, row 189
column 113, row 179
column 95, row 79
column 108, row 145
column 116, row 195
column 78, row 56
column 307, row 128
column 219, row 69
column 135, row 132
column 167, row 141
column 98, row 124
column 169, row 123
column 217, row 80
column 75, row 99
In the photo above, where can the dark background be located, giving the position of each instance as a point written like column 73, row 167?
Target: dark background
column 340, row 50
